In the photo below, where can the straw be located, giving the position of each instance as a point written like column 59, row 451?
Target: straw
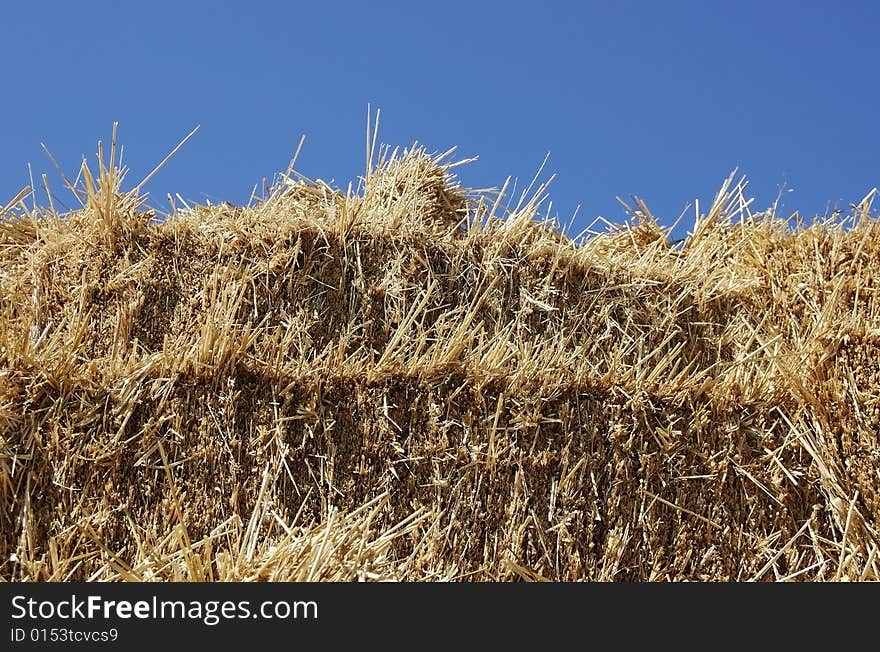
column 408, row 381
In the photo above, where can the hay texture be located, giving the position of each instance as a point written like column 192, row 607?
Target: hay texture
column 410, row 382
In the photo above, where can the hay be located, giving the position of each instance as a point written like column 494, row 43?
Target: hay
column 409, row 382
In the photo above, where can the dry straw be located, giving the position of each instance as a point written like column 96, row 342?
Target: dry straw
column 407, row 381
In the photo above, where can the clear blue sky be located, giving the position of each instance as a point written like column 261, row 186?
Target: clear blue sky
column 658, row 99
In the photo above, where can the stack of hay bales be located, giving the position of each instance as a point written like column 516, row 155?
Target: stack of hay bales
column 412, row 383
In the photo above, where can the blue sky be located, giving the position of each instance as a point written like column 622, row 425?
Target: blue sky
column 658, row 99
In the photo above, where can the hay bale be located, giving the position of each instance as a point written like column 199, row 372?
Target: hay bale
column 402, row 384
